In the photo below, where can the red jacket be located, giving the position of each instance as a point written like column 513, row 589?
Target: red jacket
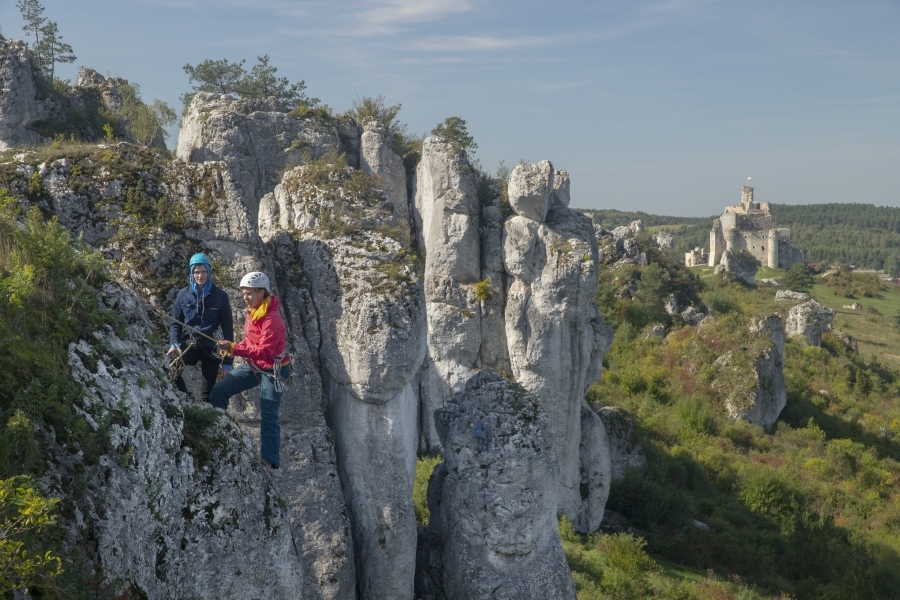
column 263, row 338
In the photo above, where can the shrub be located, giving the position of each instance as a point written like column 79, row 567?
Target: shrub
column 424, row 468
column 27, row 523
column 483, row 290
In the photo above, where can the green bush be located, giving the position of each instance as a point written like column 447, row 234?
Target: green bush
column 424, row 468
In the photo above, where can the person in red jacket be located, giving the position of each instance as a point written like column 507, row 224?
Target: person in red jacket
column 266, row 362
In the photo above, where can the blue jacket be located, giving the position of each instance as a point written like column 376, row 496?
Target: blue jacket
column 206, row 314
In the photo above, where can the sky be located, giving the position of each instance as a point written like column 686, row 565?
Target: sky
column 659, row 106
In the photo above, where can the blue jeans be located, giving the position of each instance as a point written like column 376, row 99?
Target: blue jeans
column 243, row 378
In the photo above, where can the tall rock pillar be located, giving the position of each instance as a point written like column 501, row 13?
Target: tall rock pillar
column 555, row 333
column 447, row 215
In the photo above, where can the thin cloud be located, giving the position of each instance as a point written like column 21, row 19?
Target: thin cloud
column 394, row 12
column 474, row 43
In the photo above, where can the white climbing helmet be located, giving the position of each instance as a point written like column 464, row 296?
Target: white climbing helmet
column 255, row 279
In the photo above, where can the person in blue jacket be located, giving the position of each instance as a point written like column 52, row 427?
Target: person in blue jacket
column 206, row 308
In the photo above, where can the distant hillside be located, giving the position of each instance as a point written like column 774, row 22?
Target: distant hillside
column 860, row 234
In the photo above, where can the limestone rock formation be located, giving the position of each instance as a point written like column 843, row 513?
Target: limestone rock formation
column 530, row 187
column 19, row 108
column 378, row 158
column 257, row 139
column 555, row 333
column 740, row 265
column 810, row 320
column 789, row 295
column 175, row 514
column 624, row 446
column 620, row 247
column 494, row 510
column 664, row 240
column 752, row 377
column 363, row 313
column 447, row 212
column 596, row 470
column 108, row 198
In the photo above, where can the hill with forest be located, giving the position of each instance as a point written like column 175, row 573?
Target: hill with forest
column 863, row 235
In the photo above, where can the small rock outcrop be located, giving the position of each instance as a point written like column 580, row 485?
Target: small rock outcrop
column 810, row 320
column 529, row 190
column 664, row 240
column 257, row 139
column 740, row 265
column 791, row 295
column 377, row 157
column 625, row 449
column 620, row 246
column 494, row 510
column 752, row 377
column 19, row 108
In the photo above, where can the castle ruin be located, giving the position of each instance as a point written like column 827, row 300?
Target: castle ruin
column 749, row 226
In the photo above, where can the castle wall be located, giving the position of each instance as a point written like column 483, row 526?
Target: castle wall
column 754, row 221
column 716, row 243
column 754, row 242
column 788, row 255
column 750, row 226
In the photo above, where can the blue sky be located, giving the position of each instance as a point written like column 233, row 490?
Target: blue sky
column 665, row 107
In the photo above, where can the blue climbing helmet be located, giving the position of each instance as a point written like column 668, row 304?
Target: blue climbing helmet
column 200, row 259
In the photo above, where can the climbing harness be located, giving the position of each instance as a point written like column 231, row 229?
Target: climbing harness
column 279, row 381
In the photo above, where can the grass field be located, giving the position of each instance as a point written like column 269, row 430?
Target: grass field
column 872, row 327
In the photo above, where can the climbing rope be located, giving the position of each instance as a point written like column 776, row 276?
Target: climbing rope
column 177, row 364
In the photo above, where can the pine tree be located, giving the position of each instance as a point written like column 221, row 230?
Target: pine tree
column 31, row 12
column 53, row 50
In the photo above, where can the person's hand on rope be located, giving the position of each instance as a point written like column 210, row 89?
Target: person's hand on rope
column 225, row 346
column 174, row 352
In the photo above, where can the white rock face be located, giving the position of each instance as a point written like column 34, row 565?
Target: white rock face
column 810, row 320
column 561, row 188
column 741, row 265
column 257, row 139
column 166, row 518
column 447, row 211
column 378, row 158
column 596, row 470
column 18, row 106
column 624, row 446
column 556, row 335
column 756, row 392
column 364, row 318
column 530, row 187
column 495, row 510
column 664, row 240
column 789, row 295
column 212, row 218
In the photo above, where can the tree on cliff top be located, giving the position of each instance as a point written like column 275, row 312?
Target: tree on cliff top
column 454, row 129
column 231, row 78
column 53, row 50
column 31, row 12
column 49, row 49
